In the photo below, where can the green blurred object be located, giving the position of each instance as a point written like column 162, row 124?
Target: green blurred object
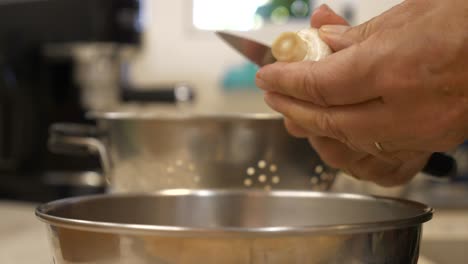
column 240, row 77
column 296, row 8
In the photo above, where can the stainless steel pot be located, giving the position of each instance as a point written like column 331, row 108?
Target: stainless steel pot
column 181, row 227
column 143, row 152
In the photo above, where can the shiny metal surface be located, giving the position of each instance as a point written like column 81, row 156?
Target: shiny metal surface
column 181, row 226
column 169, row 151
column 256, row 52
column 76, row 179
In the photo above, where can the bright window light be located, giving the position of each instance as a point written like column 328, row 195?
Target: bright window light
column 227, row 14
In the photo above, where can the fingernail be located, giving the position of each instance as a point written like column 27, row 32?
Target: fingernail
column 334, row 29
column 322, row 8
column 259, row 74
column 260, row 82
column 325, row 7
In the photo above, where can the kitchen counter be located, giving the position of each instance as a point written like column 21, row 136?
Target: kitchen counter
column 23, row 238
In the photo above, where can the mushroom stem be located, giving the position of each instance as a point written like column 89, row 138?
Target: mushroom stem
column 289, row 47
column 303, row 45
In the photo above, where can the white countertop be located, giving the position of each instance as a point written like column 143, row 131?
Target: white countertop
column 23, row 238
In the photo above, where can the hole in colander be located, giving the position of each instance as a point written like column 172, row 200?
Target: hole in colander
column 248, row 182
column 191, row 167
column 319, row 169
column 262, row 164
column 314, row 180
column 262, row 178
column 273, row 168
column 275, row 179
column 326, row 177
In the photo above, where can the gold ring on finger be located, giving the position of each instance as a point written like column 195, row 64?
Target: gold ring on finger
column 378, row 145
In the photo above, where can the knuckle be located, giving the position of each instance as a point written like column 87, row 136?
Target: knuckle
column 355, row 147
column 365, row 29
column 327, row 123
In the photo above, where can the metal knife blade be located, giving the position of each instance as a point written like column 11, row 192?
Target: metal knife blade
column 256, row 52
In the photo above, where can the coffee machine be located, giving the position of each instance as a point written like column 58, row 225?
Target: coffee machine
column 58, row 60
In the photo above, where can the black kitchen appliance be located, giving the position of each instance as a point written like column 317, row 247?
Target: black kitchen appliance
column 55, row 55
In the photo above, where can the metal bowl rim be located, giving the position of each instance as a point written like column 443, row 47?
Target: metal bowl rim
column 123, row 115
column 109, row 227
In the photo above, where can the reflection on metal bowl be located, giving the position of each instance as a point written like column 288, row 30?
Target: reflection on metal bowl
column 182, row 226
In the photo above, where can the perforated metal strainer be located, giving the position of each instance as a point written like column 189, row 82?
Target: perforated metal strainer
column 149, row 152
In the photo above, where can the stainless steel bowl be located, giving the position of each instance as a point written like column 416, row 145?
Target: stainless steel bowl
column 182, row 226
column 144, row 152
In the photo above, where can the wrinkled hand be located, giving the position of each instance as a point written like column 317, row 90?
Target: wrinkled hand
column 400, row 79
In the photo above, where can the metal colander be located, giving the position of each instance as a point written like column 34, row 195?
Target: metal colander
column 149, row 152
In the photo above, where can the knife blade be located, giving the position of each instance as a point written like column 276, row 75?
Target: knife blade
column 256, row 52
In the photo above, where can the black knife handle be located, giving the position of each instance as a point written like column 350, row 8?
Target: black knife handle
column 441, row 165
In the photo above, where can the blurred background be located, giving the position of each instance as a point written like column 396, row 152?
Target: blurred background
column 60, row 59
column 186, row 26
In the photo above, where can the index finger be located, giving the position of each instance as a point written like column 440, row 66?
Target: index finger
column 339, row 79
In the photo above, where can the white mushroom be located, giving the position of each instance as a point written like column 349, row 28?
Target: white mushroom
column 305, row 44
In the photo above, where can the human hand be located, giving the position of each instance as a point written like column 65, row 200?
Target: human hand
column 386, row 85
column 357, row 163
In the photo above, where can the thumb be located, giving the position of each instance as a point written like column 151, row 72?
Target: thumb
column 324, row 15
column 339, row 37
